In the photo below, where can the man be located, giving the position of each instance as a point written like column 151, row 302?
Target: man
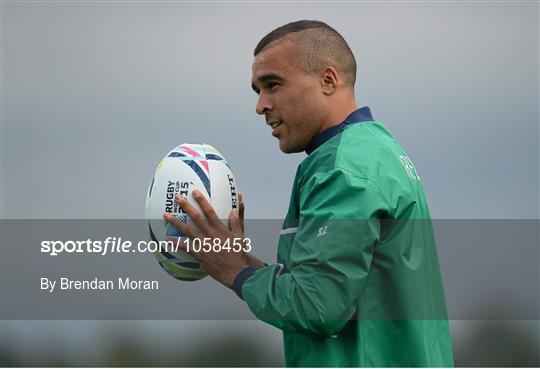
column 357, row 281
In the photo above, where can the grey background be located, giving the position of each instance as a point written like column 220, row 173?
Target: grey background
column 94, row 93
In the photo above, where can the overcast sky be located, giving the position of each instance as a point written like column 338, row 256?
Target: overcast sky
column 94, row 94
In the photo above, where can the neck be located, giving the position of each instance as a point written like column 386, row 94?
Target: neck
column 339, row 112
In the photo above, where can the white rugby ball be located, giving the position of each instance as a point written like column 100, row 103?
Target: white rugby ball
column 185, row 168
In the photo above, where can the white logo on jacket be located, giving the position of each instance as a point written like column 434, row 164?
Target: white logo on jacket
column 409, row 167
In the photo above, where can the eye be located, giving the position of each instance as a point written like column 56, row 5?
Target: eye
column 272, row 85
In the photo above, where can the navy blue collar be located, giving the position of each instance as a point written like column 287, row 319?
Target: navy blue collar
column 357, row 116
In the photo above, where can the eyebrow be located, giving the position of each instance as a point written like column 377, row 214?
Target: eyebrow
column 265, row 79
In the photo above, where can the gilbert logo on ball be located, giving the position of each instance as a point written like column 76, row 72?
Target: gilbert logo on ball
column 186, row 168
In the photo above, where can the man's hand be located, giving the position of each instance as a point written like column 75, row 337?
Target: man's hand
column 225, row 265
column 252, row 260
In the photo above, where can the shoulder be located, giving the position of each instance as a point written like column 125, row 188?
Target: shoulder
column 368, row 150
column 361, row 150
column 363, row 156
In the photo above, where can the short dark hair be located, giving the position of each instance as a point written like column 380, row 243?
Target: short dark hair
column 322, row 46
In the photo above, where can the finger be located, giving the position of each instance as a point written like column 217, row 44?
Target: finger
column 207, row 208
column 240, row 204
column 235, row 224
column 181, row 226
column 241, row 209
column 192, row 213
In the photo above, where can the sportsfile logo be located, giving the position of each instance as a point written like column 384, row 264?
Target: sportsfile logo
column 174, row 188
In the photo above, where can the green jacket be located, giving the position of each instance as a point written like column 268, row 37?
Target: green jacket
column 357, row 281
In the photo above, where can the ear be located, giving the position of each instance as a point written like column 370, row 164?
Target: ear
column 329, row 80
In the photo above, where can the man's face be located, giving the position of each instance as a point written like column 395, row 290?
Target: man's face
column 290, row 99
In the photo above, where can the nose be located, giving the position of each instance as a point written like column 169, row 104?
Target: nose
column 263, row 104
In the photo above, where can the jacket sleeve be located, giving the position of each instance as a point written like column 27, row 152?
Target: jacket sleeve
column 330, row 258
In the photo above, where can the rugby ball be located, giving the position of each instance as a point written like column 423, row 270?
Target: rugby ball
column 185, row 168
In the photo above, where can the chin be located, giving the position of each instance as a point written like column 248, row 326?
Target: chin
column 286, row 150
column 290, row 149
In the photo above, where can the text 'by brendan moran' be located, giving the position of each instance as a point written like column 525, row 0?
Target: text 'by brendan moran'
column 96, row 284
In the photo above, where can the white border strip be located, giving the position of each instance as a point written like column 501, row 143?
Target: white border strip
column 288, row 231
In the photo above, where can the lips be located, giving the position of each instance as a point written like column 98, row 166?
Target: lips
column 274, row 124
column 276, row 130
